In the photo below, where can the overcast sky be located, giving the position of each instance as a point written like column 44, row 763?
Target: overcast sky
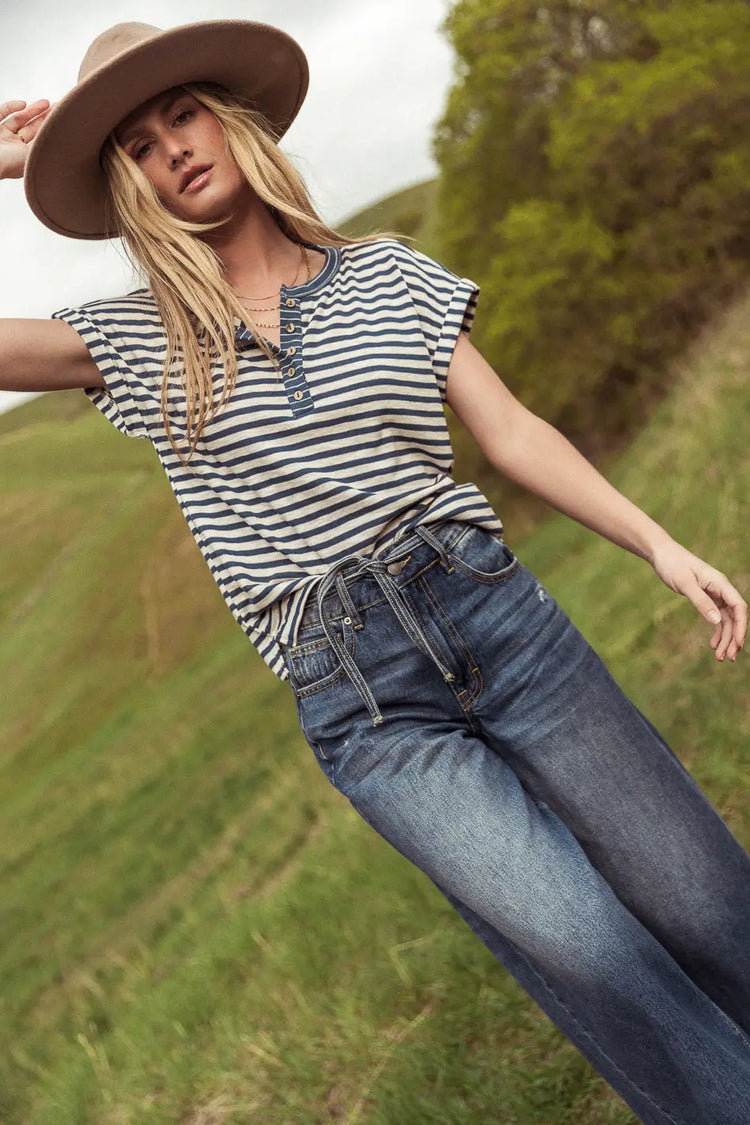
column 380, row 71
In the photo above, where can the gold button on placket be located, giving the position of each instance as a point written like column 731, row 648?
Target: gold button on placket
column 294, row 369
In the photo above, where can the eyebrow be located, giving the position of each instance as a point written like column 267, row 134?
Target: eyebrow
column 134, row 130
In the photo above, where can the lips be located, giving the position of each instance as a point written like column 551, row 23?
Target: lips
column 192, row 173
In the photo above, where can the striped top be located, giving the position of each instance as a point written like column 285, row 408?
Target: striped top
column 345, row 453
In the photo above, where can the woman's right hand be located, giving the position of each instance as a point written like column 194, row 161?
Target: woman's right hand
column 19, row 124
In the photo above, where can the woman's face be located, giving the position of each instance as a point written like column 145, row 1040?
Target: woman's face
column 172, row 133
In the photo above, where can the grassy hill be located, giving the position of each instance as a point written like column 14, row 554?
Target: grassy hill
column 409, row 211
column 196, row 927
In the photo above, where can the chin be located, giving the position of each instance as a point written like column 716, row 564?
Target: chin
column 202, row 211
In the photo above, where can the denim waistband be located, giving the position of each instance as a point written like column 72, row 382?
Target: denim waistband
column 339, row 594
column 356, row 584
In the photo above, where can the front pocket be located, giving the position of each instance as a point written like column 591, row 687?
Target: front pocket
column 314, row 665
column 483, row 555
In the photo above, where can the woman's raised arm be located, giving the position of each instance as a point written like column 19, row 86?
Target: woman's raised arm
column 44, row 355
column 36, row 355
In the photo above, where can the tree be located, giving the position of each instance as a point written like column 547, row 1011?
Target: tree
column 594, row 176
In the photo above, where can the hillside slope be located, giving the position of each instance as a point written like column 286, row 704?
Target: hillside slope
column 196, row 927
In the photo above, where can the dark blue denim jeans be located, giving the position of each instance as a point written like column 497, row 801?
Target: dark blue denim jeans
column 449, row 697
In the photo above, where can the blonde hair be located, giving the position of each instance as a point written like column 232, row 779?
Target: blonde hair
column 185, row 275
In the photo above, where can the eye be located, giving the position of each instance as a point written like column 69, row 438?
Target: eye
column 138, row 153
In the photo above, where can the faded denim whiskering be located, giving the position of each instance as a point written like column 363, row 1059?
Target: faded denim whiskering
column 449, row 697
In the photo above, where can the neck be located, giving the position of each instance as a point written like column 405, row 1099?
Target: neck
column 257, row 256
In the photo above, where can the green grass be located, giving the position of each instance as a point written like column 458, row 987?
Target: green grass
column 196, row 927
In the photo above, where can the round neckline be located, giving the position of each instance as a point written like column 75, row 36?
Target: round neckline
column 329, row 268
column 323, row 274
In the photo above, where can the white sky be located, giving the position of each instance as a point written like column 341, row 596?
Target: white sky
column 380, row 71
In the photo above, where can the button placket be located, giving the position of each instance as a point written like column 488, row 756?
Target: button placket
column 293, row 376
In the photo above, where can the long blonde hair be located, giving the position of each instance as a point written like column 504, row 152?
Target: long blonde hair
column 185, row 275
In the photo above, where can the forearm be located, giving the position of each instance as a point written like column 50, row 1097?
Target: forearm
column 536, row 455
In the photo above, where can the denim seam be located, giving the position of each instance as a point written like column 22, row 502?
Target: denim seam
column 484, row 576
column 735, row 1027
column 310, row 646
column 320, row 756
column 412, row 609
column 327, row 681
column 465, row 705
column 588, row 1035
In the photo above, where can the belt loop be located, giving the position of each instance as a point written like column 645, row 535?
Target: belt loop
column 379, row 572
column 435, row 543
column 345, row 659
column 347, row 602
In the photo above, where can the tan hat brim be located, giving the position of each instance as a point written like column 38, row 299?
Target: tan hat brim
column 63, row 179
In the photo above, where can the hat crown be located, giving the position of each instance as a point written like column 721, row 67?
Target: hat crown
column 113, row 42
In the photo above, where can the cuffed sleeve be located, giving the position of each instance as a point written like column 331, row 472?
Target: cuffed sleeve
column 445, row 303
column 118, row 401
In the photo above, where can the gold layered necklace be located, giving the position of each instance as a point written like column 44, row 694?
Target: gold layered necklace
column 276, row 308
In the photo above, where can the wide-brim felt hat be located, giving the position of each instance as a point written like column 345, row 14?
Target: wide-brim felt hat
column 130, row 63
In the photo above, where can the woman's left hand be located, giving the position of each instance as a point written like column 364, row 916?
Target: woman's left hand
column 709, row 590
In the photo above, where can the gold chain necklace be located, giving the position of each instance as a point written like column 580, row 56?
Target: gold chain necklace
column 257, row 308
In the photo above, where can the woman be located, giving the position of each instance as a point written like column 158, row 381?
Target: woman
column 440, row 686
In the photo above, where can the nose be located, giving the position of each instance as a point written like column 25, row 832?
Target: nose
column 180, row 150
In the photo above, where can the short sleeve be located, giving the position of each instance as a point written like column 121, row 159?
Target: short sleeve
column 445, row 303
column 121, row 402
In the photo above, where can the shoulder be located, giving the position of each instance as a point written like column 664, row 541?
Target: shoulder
column 413, row 263
column 375, row 251
column 377, row 248
column 388, row 258
column 124, row 331
column 133, row 312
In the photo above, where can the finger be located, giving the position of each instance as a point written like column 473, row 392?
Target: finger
column 32, row 114
column 740, row 621
column 731, row 646
column 727, row 628
column 736, row 608
column 37, row 107
column 28, row 131
column 705, row 605
column 734, row 613
column 21, row 116
column 722, row 634
column 10, row 107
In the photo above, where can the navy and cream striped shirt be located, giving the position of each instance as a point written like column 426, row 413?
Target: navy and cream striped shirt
column 346, row 452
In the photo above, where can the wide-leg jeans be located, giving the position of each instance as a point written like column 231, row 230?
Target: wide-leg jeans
column 450, row 698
